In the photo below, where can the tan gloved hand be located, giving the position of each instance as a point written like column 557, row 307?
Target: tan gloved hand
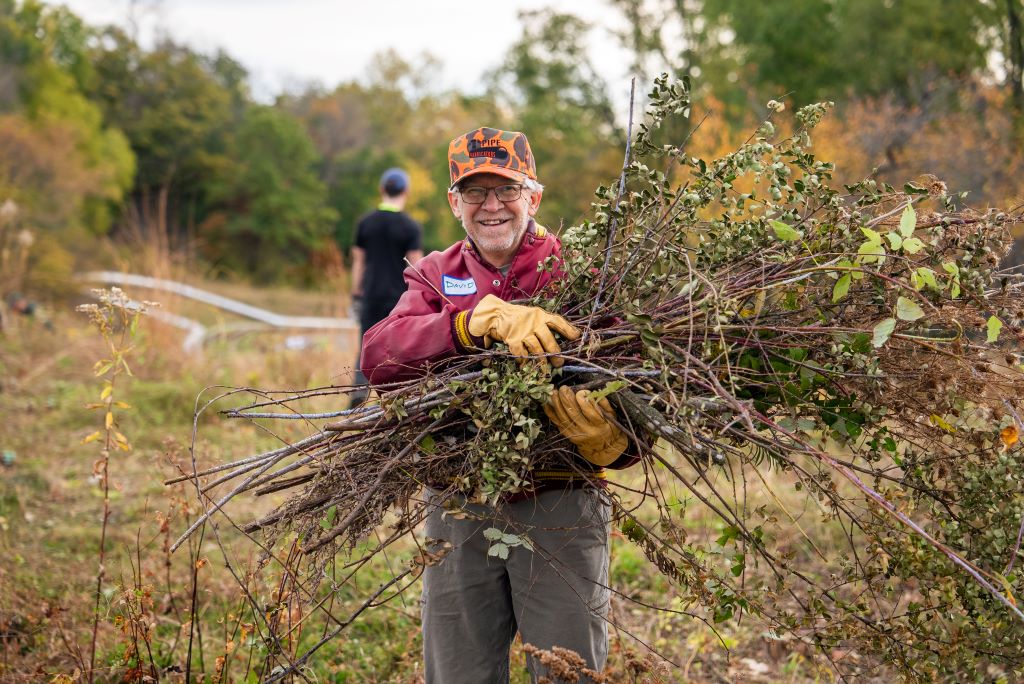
column 587, row 424
column 526, row 330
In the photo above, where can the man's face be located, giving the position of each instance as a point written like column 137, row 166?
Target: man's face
column 495, row 227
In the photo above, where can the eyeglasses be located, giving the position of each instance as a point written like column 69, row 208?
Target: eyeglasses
column 474, row 194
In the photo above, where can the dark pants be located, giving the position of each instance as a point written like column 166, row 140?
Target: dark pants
column 371, row 312
column 554, row 595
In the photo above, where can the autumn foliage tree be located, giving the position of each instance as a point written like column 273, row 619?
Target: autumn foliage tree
column 60, row 162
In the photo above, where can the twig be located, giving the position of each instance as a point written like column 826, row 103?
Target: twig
column 618, row 202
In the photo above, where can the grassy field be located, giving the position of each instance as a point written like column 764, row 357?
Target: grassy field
column 51, row 511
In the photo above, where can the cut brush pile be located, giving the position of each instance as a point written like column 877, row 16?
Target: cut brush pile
column 743, row 317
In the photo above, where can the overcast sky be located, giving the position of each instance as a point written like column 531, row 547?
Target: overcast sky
column 287, row 43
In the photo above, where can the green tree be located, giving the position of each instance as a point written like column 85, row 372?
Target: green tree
column 178, row 109
column 395, row 117
column 663, row 35
column 270, row 208
column 815, row 50
column 558, row 99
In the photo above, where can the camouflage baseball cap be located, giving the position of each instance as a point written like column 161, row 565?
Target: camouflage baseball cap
column 488, row 150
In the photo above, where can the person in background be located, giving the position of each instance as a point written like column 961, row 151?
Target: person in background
column 18, row 303
column 386, row 239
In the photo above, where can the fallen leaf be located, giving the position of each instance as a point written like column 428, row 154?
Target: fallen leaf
column 938, row 421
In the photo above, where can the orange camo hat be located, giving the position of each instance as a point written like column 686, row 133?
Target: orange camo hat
column 488, row 150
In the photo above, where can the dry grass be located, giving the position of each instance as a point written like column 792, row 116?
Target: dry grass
column 49, row 503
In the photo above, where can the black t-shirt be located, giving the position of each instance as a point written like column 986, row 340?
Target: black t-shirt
column 386, row 237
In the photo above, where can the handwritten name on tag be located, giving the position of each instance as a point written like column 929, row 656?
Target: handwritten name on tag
column 458, row 286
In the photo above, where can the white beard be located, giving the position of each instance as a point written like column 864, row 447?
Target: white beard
column 498, row 244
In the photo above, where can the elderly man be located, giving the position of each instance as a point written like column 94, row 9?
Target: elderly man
column 457, row 301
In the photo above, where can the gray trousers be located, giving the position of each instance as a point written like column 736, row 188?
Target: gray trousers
column 555, row 595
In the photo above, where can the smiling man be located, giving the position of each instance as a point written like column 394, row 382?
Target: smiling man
column 457, row 302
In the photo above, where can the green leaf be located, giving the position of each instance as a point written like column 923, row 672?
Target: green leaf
column 908, row 310
column 872, row 251
column 882, row 332
column 923, row 277
column 328, row 519
column 912, row 245
column 493, row 534
column 871, row 235
column 954, row 278
column 908, row 221
column 610, row 387
column 686, row 289
column 728, row 534
column 841, row 288
column 994, row 326
column 639, row 320
column 895, row 241
column 428, row 444
column 856, row 273
column 807, row 425
column 499, row 550
column 785, row 232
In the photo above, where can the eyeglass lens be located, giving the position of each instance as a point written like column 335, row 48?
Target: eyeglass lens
column 478, row 195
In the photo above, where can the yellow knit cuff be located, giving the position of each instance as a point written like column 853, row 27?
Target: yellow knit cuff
column 460, row 327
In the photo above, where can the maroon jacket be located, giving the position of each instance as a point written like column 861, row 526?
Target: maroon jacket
column 428, row 324
column 422, row 327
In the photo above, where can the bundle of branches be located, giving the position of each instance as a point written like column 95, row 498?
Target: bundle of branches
column 744, row 316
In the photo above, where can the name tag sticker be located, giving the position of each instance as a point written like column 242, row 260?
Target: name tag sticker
column 457, row 286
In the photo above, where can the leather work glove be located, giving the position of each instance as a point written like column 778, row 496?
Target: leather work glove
column 587, row 424
column 527, row 330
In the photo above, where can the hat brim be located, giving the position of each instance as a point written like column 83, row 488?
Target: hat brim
column 493, row 170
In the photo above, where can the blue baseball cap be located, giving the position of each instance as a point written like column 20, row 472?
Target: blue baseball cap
column 394, row 181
